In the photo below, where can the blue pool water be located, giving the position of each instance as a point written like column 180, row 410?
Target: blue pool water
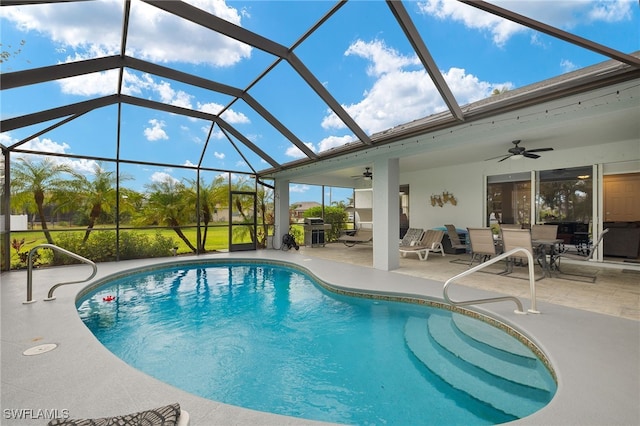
column 270, row 339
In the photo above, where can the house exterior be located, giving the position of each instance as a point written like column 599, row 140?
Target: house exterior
column 298, row 209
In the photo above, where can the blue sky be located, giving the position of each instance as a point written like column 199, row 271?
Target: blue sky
column 360, row 55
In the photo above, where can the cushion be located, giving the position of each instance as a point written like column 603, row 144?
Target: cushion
column 162, row 416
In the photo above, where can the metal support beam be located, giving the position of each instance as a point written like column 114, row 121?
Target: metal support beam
column 553, row 32
column 52, row 114
column 427, row 60
column 243, row 35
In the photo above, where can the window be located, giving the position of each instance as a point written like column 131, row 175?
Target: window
column 509, row 199
column 565, row 195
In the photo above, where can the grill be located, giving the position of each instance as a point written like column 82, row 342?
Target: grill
column 314, row 228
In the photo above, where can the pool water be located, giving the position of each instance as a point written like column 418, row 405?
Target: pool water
column 270, row 339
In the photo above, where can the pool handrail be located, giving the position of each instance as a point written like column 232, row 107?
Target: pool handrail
column 52, row 289
column 520, row 310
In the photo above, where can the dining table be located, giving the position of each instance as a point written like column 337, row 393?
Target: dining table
column 550, row 248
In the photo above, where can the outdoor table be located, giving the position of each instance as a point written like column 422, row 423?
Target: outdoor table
column 547, row 247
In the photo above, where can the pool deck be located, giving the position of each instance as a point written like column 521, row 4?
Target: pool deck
column 596, row 356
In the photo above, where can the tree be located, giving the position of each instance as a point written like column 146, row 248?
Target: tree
column 336, row 216
column 168, row 203
column 216, row 193
column 265, row 212
column 39, row 179
column 92, row 196
column 499, row 91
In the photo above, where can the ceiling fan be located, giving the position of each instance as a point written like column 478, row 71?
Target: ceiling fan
column 366, row 175
column 519, row 151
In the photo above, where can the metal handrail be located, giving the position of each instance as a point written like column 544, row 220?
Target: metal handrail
column 532, row 284
column 52, row 289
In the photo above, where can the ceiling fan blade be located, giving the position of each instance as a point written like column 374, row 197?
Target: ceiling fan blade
column 508, row 156
column 493, row 158
column 540, row 150
column 528, row 154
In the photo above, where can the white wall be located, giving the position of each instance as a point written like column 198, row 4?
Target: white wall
column 18, row 222
column 466, row 182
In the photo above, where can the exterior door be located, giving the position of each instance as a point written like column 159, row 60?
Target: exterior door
column 622, row 197
column 243, row 221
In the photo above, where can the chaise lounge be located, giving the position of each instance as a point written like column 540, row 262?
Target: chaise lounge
column 431, row 242
column 361, row 236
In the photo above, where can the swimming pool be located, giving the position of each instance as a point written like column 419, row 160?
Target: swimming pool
column 270, row 338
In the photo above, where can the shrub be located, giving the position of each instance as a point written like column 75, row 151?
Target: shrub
column 101, row 246
column 333, row 215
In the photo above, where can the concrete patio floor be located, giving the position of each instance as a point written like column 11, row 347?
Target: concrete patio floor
column 590, row 333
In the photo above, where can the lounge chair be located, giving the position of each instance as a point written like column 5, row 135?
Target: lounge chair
column 361, row 236
column 482, row 244
column 431, row 242
column 456, row 244
column 412, row 237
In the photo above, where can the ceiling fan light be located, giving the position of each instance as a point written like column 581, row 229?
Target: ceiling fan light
column 517, row 156
column 367, row 177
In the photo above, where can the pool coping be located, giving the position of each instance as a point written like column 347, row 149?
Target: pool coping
column 595, row 357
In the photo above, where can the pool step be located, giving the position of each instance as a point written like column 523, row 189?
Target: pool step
column 486, row 334
column 495, row 390
column 499, row 354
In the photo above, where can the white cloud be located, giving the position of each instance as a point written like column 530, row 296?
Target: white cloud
column 188, row 163
column 234, row 117
column 92, row 29
column 102, row 84
column 83, row 165
column 298, row 188
column 383, row 59
column 156, row 131
column 219, row 155
column 47, row 145
column 565, row 14
column 159, row 177
column 401, row 95
column 566, row 65
column 173, row 97
column 294, row 152
column 611, row 11
column 334, row 141
column 499, row 28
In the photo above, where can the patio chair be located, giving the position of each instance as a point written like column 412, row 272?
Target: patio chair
column 166, row 416
column 579, row 257
column 456, row 244
column 412, row 237
column 510, row 226
column 520, row 238
column 482, row 244
column 361, row 236
column 431, row 242
column 544, row 232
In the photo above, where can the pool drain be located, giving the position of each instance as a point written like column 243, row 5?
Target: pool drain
column 40, row 349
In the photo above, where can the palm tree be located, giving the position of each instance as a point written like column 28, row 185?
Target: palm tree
column 95, row 196
column 39, row 179
column 168, row 204
column 266, row 211
column 210, row 195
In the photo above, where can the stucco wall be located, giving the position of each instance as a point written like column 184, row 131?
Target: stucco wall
column 466, row 182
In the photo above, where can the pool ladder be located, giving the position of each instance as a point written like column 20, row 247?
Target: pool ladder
column 52, row 289
column 532, row 284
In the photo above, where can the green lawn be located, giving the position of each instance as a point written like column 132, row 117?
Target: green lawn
column 217, row 238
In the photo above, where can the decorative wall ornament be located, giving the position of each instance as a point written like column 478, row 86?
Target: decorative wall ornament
column 444, row 198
